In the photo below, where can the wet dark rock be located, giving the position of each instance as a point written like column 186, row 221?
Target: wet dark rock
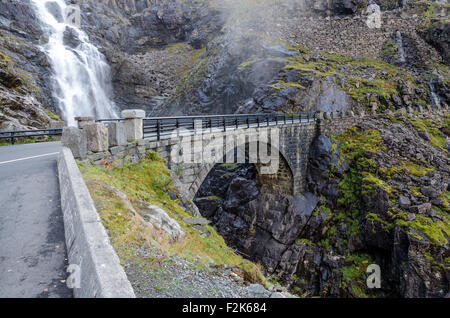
column 71, row 38
column 55, row 10
column 438, row 35
column 240, row 191
column 207, row 205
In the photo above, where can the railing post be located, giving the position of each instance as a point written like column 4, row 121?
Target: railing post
column 224, row 124
column 257, row 117
column 158, row 130
column 12, row 138
column 134, row 124
column 237, row 123
column 285, row 118
column 248, row 122
column 267, row 119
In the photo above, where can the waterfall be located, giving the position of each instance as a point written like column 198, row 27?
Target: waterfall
column 435, row 99
column 81, row 75
column 401, row 50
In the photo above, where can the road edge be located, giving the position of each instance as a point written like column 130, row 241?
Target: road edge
column 97, row 271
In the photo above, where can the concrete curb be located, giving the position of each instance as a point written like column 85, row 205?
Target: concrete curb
column 100, row 273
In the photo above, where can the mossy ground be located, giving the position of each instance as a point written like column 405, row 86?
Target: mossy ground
column 52, row 115
column 354, row 274
column 426, row 125
column 149, row 182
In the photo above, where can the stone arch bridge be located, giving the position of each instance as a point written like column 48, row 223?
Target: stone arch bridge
column 278, row 144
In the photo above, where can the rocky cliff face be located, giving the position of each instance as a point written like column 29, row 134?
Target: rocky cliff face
column 378, row 194
column 187, row 57
column 25, row 84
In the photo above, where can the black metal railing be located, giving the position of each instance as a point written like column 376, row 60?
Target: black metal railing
column 109, row 120
column 163, row 127
column 23, row 134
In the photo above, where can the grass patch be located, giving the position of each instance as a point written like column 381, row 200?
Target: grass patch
column 149, row 181
column 354, row 275
column 52, row 115
column 425, row 125
column 434, row 230
column 415, row 169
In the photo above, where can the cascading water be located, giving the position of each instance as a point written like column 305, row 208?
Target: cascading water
column 81, row 75
column 400, row 48
column 435, row 99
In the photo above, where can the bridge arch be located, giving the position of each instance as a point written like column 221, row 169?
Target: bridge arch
column 283, row 179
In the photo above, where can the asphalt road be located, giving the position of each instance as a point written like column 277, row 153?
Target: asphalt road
column 32, row 245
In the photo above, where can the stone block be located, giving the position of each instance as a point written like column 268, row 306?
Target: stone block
column 74, row 139
column 116, row 150
column 97, row 137
column 117, row 134
column 133, row 114
column 83, row 121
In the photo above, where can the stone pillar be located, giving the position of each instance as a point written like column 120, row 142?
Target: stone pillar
column 83, row 121
column 134, row 124
column 97, row 137
column 117, row 134
column 74, row 139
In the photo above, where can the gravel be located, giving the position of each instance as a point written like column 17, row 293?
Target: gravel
column 175, row 277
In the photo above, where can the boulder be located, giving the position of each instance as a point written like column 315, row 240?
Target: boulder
column 404, row 202
column 429, row 192
column 160, row 222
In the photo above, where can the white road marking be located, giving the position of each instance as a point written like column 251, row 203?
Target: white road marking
column 28, row 158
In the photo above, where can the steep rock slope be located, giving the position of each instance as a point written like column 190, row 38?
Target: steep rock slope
column 25, row 85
